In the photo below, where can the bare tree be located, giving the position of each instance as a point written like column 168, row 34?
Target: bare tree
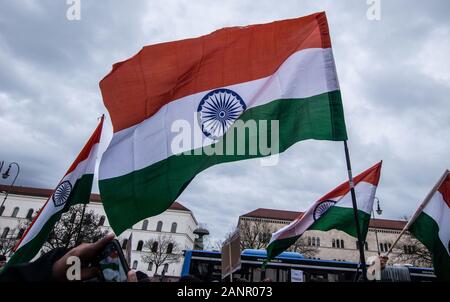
column 256, row 234
column 161, row 250
column 412, row 251
column 301, row 246
column 66, row 230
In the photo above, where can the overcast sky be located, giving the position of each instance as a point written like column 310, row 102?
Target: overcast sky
column 394, row 76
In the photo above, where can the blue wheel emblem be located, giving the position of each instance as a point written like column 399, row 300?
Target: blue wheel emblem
column 62, row 193
column 218, row 110
column 322, row 207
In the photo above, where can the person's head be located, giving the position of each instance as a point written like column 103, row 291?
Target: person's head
column 383, row 261
column 2, row 260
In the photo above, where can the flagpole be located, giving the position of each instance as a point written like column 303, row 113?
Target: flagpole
column 355, row 213
column 419, row 210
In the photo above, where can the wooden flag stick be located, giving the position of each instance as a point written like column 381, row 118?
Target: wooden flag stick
column 419, row 210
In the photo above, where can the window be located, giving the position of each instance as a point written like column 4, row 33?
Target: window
column 150, row 266
column 169, row 248
column 155, row 247
column 159, row 226
column 173, row 229
column 338, row 243
column 135, row 264
column 366, row 246
column 309, row 241
column 20, row 234
column 140, row 245
column 5, row 232
column 2, row 209
column 102, row 220
column 318, row 241
column 166, row 268
column 314, row 241
column 342, row 244
column 29, row 214
column 145, row 224
column 333, row 243
column 124, row 244
column 15, row 212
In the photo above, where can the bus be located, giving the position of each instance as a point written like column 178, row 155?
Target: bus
column 206, row 265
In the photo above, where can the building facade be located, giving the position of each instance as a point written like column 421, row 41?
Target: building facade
column 337, row 245
column 177, row 223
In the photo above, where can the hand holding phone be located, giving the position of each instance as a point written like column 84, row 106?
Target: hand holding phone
column 112, row 263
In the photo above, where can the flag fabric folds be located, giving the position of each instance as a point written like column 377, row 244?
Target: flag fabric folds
column 432, row 228
column 280, row 71
column 332, row 211
column 74, row 188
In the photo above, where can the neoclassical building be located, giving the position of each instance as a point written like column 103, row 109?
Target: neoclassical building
column 177, row 222
column 337, row 245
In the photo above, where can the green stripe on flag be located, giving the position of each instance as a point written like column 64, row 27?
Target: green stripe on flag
column 151, row 190
column 342, row 219
column 426, row 230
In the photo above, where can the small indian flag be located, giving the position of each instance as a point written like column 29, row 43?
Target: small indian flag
column 432, row 227
column 332, row 211
column 279, row 77
column 74, row 188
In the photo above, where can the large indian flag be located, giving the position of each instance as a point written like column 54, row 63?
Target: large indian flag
column 74, row 188
column 432, row 228
column 332, row 211
column 282, row 71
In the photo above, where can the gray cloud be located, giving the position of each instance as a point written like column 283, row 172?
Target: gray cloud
column 394, row 76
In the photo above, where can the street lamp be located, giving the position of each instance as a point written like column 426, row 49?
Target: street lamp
column 6, row 174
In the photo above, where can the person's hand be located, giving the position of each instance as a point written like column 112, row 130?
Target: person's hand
column 86, row 252
column 131, row 276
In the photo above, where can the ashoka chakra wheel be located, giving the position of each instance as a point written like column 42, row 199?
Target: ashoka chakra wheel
column 322, row 207
column 218, row 110
column 62, row 193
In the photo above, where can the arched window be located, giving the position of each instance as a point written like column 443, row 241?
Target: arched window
column 140, row 245
column 5, row 232
column 2, row 209
column 318, row 241
column 381, row 247
column 169, row 248
column 135, row 264
column 342, row 244
column 338, row 243
column 102, row 220
column 150, row 266
column 385, row 246
column 145, row 225
column 173, row 229
column 15, row 212
column 314, row 241
column 159, row 226
column 124, row 244
column 333, row 243
column 29, row 214
column 155, row 247
column 166, row 267
column 309, row 240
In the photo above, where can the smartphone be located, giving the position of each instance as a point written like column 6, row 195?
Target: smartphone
column 112, row 263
